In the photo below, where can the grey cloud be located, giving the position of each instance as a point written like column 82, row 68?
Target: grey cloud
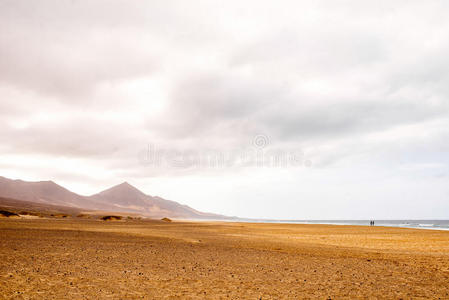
column 428, row 73
column 226, row 105
column 349, row 118
column 215, row 104
column 69, row 67
column 78, row 137
column 312, row 53
column 64, row 48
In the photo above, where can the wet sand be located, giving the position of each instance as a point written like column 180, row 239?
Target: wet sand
column 87, row 259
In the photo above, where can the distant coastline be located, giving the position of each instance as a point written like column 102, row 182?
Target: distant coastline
column 415, row 224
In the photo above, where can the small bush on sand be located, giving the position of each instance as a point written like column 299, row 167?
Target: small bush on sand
column 83, row 216
column 60, row 215
column 7, row 214
column 166, row 219
column 111, row 218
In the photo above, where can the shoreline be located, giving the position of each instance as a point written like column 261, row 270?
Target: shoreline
column 348, row 223
column 247, row 221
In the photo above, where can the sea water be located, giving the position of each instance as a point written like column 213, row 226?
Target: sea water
column 421, row 224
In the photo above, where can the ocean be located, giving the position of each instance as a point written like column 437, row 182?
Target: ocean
column 420, row 224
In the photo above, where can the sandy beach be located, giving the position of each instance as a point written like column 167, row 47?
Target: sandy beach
column 87, row 259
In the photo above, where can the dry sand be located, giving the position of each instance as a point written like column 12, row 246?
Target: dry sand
column 92, row 259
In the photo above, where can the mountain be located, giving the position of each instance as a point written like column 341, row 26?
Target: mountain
column 121, row 198
column 46, row 192
column 125, row 197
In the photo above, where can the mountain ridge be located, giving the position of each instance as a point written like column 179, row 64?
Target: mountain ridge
column 123, row 197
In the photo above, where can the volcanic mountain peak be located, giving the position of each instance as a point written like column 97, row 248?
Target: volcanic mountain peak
column 122, row 188
column 124, row 184
column 123, row 195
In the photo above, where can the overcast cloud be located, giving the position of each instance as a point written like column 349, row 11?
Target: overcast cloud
column 359, row 88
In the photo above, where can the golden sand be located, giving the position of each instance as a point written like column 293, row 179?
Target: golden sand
column 129, row 259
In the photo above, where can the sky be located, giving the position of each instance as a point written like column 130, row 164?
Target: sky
column 261, row 109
